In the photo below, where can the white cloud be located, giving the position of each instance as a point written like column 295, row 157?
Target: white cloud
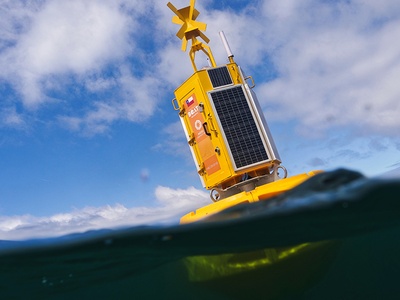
column 169, row 70
column 134, row 99
column 180, row 198
column 64, row 37
column 337, row 65
column 9, row 117
column 15, row 18
column 74, row 36
column 172, row 204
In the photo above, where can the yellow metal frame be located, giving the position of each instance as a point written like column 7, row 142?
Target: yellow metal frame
column 210, row 153
column 208, row 150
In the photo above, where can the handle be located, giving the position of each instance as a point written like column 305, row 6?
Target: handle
column 176, row 107
column 252, row 81
column 205, row 127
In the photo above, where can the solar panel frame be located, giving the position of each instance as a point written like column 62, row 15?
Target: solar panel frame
column 241, row 131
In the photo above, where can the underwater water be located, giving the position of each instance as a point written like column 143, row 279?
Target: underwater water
column 336, row 236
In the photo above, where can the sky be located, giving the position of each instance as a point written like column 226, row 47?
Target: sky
column 88, row 135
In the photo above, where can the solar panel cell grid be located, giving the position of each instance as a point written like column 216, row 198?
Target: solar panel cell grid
column 239, row 126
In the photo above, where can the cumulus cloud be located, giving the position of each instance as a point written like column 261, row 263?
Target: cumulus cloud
column 172, row 204
column 64, row 37
column 134, row 100
column 336, row 62
column 94, row 49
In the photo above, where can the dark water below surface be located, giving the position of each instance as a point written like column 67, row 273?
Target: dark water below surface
column 337, row 236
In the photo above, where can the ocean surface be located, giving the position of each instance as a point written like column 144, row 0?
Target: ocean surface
column 336, row 236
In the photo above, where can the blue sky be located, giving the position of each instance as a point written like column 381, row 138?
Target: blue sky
column 88, row 136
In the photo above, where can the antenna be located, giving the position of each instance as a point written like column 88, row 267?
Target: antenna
column 226, row 46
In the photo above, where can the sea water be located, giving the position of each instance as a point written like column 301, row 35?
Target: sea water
column 337, row 236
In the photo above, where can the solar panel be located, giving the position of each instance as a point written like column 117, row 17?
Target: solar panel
column 219, row 76
column 239, row 126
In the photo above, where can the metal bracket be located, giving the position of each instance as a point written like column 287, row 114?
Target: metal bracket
column 192, row 140
column 182, row 112
column 202, row 170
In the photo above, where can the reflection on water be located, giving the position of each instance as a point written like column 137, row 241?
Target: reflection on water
column 270, row 273
column 205, row 268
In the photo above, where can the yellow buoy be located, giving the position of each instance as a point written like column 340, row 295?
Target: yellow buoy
column 233, row 149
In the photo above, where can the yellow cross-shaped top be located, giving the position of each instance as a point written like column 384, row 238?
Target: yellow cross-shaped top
column 190, row 30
